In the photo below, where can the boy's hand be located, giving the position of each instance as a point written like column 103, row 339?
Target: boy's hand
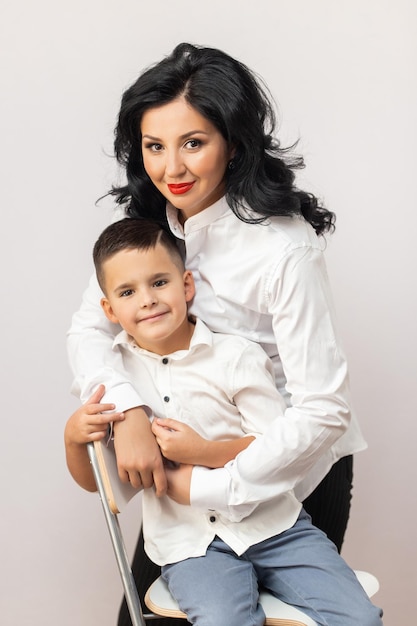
column 179, row 483
column 179, row 442
column 91, row 421
column 87, row 424
column 138, row 456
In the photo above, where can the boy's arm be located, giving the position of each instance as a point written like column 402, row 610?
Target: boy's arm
column 139, row 459
column 89, row 423
column 94, row 362
column 181, row 443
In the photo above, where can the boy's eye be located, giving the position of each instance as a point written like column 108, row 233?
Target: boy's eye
column 160, row 283
column 126, row 292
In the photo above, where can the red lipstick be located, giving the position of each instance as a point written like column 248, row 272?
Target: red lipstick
column 180, row 188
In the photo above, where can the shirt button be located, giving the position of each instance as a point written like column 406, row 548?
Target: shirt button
column 212, row 518
column 165, row 360
column 166, row 398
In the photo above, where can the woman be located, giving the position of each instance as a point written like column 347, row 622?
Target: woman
column 195, row 136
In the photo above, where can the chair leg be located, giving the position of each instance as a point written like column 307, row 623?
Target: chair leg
column 113, row 526
column 144, row 573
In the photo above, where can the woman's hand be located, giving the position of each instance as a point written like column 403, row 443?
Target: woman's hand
column 182, row 444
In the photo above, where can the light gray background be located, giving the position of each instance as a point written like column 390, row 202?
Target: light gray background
column 343, row 74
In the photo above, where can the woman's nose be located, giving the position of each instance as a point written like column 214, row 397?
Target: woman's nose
column 174, row 165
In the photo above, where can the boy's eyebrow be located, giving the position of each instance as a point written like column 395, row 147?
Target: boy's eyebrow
column 160, row 275
column 122, row 286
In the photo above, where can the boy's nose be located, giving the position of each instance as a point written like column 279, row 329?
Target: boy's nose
column 148, row 298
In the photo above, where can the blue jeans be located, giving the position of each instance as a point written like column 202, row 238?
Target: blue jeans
column 300, row 566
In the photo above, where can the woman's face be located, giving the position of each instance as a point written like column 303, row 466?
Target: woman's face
column 184, row 155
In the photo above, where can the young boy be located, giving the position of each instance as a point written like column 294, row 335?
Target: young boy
column 208, row 387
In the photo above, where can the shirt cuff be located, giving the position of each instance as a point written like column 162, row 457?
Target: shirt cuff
column 209, row 488
column 124, row 397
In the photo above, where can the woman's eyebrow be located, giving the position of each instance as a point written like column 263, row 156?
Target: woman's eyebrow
column 184, row 136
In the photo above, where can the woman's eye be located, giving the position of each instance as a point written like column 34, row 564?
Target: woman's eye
column 193, row 143
column 153, row 147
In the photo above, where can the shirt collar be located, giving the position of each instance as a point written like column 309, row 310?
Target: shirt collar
column 201, row 336
column 206, row 217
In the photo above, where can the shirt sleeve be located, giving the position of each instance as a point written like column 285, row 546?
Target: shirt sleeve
column 253, row 390
column 299, row 301
column 91, row 356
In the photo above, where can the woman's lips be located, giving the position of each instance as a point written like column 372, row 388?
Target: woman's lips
column 179, row 188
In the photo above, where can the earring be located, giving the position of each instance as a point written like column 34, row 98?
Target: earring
column 231, row 164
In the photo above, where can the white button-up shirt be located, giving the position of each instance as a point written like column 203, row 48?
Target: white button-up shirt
column 267, row 282
column 223, row 387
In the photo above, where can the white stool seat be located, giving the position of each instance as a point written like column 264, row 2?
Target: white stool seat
column 159, row 600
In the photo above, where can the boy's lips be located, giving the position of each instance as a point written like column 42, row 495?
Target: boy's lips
column 179, row 188
column 153, row 316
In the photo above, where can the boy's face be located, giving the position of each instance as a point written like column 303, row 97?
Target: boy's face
column 147, row 294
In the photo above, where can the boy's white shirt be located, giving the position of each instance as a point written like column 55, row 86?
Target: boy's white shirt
column 223, row 387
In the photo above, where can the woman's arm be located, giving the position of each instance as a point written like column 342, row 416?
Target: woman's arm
column 180, row 443
column 251, row 388
column 249, row 384
column 315, row 369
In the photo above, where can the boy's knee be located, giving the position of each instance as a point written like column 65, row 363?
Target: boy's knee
column 377, row 618
column 373, row 616
column 219, row 616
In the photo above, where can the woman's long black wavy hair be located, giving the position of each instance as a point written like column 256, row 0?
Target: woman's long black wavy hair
column 228, row 94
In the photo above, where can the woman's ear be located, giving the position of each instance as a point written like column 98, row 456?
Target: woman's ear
column 189, row 286
column 106, row 306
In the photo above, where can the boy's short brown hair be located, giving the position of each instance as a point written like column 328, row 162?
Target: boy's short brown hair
column 132, row 234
